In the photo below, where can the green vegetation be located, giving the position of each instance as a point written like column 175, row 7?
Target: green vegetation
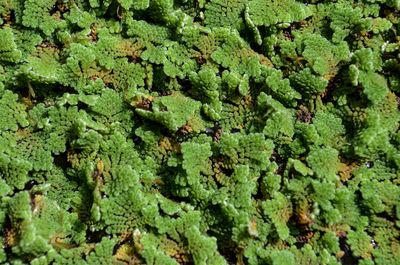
column 200, row 132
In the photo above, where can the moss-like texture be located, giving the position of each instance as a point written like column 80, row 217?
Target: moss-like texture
column 199, row 132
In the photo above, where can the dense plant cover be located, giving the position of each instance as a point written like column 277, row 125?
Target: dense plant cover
column 199, row 132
